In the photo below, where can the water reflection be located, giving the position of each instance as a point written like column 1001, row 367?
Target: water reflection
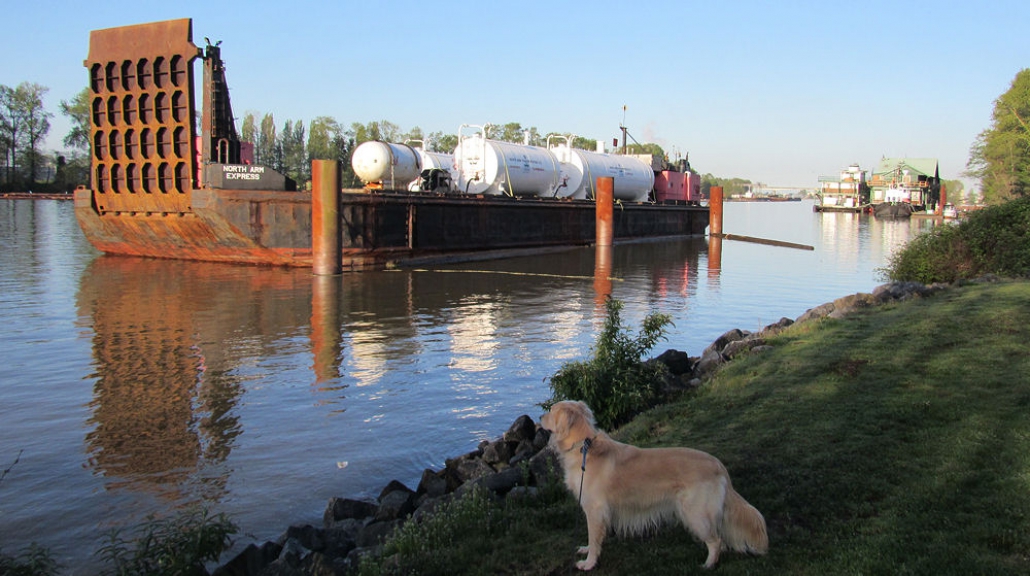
column 166, row 345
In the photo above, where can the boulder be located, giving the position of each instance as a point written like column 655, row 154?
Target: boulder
column 522, row 429
column 777, row 327
column 719, row 343
column 252, row 560
column 737, row 347
column 498, row 453
column 677, row 362
column 396, row 501
column 820, row 311
column 346, row 508
column 433, row 484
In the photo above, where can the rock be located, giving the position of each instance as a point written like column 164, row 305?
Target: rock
column 293, row 552
column 524, row 451
column 677, row 362
column 777, row 327
column 376, row 532
column 252, row 560
column 848, row 304
column 318, row 564
column 281, row 567
column 544, row 467
column 396, row 501
column 719, row 343
column 502, row 482
column 433, row 484
column 463, row 469
column 709, row 361
column 733, row 349
column 522, row 429
column 306, row 535
column 346, row 508
column 820, row 311
column 541, row 439
column 338, row 542
column 498, row 453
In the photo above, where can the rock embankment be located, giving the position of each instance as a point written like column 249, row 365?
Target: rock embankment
column 514, row 464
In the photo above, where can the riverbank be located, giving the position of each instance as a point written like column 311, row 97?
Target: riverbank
column 889, row 438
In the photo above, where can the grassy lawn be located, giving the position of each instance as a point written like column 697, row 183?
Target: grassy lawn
column 894, row 441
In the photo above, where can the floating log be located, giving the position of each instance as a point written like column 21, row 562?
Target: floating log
column 765, row 241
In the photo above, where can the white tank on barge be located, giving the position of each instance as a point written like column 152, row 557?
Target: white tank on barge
column 493, row 168
column 633, row 179
column 386, row 165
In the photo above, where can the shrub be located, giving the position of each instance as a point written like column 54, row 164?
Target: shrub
column 33, row 561
column 995, row 240
column 615, row 383
column 177, row 546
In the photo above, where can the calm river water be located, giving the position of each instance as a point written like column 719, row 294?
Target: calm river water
column 131, row 387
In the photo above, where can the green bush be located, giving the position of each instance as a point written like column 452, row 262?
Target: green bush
column 33, row 561
column 615, row 383
column 995, row 240
column 177, row 546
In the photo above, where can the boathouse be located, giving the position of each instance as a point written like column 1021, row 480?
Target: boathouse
column 915, row 181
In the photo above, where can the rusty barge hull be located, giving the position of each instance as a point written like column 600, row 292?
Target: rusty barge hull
column 377, row 229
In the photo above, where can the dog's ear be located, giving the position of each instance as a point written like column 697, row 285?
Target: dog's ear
column 569, row 419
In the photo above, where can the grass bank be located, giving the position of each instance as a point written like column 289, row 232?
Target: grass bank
column 892, row 441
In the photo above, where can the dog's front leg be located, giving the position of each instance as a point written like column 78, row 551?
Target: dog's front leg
column 597, row 529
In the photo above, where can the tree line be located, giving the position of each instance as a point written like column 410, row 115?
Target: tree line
column 287, row 148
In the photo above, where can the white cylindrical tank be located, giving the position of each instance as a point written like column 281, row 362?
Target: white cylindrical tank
column 492, row 167
column 391, row 166
column 634, row 179
column 434, row 161
column 440, row 160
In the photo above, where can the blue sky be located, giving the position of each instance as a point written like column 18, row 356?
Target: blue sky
column 776, row 92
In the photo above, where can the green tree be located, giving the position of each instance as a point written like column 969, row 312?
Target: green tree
column 1000, row 157
column 249, row 129
column 77, row 110
column 440, row 142
column 294, row 153
column 381, row 130
column 266, row 150
column 326, row 140
column 73, row 167
column 26, row 124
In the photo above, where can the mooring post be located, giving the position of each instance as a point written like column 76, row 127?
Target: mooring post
column 327, row 258
column 715, row 211
column 943, row 200
column 603, row 210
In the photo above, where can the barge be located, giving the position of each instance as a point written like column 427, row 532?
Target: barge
column 159, row 189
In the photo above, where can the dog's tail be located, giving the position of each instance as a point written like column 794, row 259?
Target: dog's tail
column 743, row 527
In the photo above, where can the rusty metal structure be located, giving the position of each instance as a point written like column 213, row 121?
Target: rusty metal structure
column 142, row 116
column 160, row 190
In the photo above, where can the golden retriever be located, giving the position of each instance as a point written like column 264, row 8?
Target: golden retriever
column 634, row 489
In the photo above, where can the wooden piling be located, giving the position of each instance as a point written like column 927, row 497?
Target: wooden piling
column 604, row 210
column 327, row 256
column 715, row 210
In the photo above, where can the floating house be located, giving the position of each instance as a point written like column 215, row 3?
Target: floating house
column 845, row 193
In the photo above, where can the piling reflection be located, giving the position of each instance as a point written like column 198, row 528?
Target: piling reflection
column 714, row 259
column 326, row 334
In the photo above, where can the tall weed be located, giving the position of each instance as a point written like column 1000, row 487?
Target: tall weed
column 615, row 383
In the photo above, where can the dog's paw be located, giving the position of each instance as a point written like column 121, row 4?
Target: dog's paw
column 587, row 564
column 583, row 550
